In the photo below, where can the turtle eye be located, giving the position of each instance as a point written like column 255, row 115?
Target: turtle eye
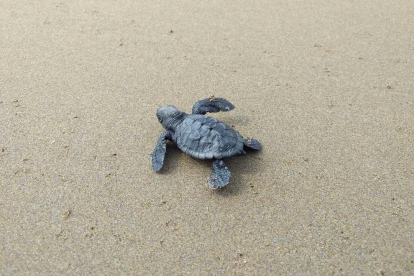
column 160, row 119
column 174, row 113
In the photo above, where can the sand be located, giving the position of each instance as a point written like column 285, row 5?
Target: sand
column 326, row 86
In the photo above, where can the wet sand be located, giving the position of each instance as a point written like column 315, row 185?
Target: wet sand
column 326, row 86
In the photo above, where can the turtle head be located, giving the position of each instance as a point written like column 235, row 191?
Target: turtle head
column 169, row 116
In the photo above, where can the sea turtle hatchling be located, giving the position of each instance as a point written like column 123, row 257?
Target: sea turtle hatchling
column 202, row 137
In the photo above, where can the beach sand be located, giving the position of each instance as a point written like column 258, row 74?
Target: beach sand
column 326, row 86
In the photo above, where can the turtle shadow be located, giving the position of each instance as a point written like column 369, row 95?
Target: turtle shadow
column 173, row 153
column 234, row 121
column 249, row 164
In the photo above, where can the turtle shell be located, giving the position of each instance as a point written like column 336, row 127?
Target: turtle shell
column 204, row 137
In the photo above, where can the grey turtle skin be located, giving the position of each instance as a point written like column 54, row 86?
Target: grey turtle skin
column 202, row 137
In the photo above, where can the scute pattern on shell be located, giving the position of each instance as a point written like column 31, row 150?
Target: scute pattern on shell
column 204, row 137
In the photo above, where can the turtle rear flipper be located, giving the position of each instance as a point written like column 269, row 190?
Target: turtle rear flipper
column 158, row 154
column 212, row 105
column 220, row 176
column 252, row 143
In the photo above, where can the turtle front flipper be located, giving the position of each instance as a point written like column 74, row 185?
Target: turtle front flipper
column 158, row 154
column 220, row 175
column 252, row 143
column 212, row 105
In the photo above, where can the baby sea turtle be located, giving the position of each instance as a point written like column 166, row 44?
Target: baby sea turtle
column 202, row 137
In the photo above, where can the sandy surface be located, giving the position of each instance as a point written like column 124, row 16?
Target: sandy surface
column 326, row 86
